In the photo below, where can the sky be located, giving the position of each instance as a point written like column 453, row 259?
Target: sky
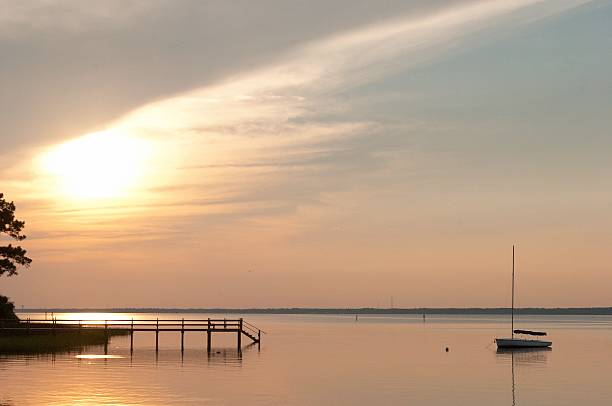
column 308, row 153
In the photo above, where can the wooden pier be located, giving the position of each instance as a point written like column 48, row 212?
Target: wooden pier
column 209, row 326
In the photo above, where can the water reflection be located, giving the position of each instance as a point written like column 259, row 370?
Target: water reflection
column 216, row 356
column 51, row 354
column 312, row 360
column 98, row 356
column 522, row 357
column 525, row 356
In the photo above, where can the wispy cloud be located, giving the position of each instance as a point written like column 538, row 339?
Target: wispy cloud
column 261, row 120
column 278, row 138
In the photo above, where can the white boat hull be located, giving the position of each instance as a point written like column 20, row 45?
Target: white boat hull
column 521, row 343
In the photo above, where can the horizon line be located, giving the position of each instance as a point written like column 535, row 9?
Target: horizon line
column 599, row 310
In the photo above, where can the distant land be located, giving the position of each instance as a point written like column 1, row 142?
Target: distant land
column 363, row 310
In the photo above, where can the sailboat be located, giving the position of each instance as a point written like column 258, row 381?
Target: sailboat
column 521, row 341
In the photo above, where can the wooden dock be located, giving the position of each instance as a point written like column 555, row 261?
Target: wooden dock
column 240, row 327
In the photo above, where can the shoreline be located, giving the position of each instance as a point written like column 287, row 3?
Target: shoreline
column 61, row 339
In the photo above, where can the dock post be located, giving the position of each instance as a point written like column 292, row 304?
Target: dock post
column 183, row 334
column 208, row 336
column 105, row 337
column 132, row 336
column 28, row 331
column 157, row 335
column 240, row 335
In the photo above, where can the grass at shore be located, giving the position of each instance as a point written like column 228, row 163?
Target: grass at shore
column 61, row 340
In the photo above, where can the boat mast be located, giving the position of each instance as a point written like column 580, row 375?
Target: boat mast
column 512, row 323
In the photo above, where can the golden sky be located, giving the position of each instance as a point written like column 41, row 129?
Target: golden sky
column 334, row 154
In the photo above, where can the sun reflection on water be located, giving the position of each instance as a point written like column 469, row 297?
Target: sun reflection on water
column 98, row 356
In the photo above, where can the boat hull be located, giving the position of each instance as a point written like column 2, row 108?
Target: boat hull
column 521, row 343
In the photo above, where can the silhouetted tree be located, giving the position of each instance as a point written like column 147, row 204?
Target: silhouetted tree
column 11, row 256
column 7, row 311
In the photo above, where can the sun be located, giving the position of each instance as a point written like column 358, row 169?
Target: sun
column 99, row 165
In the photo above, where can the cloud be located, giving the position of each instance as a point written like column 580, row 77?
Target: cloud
column 70, row 67
column 269, row 130
column 292, row 107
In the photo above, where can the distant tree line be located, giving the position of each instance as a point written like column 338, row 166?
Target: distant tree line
column 566, row 311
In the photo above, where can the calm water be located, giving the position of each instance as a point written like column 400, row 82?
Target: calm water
column 330, row 360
